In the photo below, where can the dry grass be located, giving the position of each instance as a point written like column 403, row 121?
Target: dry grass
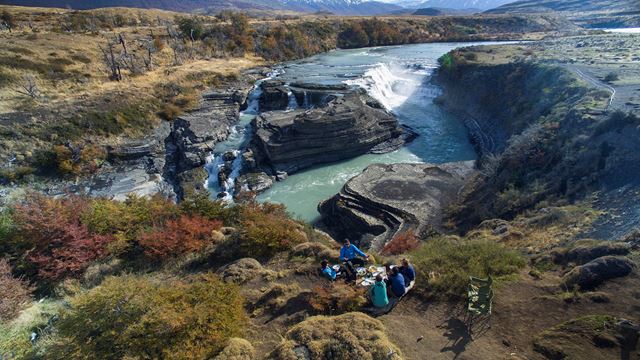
column 345, row 337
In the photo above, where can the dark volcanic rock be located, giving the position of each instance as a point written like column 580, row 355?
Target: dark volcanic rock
column 387, row 199
column 348, row 126
column 275, row 96
column 596, row 272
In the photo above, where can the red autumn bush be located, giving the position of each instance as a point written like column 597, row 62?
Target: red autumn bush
column 401, row 243
column 61, row 246
column 15, row 293
column 177, row 237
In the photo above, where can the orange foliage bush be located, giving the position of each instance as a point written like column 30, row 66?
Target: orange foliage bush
column 177, row 237
column 336, row 298
column 401, row 243
column 14, row 295
column 61, row 246
column 267, row 229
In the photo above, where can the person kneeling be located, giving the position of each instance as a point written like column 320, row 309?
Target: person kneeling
column 378, row 293
column 397, row 282
column 327, row 271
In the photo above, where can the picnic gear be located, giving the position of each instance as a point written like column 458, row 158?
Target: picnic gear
column 479, row 303
column 480, row 296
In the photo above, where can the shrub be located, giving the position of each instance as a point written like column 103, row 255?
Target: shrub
column 137, row 317
column 451, row 261
column 177, row 237
column 15, row 335
column 337, row 298
column 401, row 243
column 267, row 229
column 127, row 220
column 15, row 293
column 200, row 204
column 61, row 245
column 611, row 77
column 616, row 122
column 345, row 337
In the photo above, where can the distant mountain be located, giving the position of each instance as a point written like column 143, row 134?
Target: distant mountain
column 568, row 6
column 443, row 11
column 339, row 7
column 453, row 4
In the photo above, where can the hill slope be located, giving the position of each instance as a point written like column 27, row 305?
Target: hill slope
column 454, row 4
column 570, row 5
column 340, row 7
column 588, row 13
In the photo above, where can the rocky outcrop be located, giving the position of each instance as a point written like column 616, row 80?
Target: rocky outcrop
column 195, row 134
column 351, row 125
column 275, row 96
column 595, row 272
column 387, row 199
column 583, row 254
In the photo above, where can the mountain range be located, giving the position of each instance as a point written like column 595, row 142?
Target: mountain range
column 524, row 6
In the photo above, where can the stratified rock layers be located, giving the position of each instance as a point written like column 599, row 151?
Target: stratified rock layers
column 352, row 124
column 387, row 199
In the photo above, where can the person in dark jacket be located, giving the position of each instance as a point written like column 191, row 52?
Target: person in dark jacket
column 407, row 271
column 397, row 282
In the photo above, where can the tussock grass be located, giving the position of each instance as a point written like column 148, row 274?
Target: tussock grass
column 445, row 264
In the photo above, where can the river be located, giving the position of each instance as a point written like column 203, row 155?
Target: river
column 398, row 77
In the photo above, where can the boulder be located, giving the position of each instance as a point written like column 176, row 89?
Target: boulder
column 317, row 95
column 594, row 273
column 585, row 253
column 347, row 127
column 275, row 96
column 255, row 182
column 241, row 271
column 387, row 199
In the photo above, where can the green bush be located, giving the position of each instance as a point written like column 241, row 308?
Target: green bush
column 444, row 264
column 141, row 318
column 266, row 229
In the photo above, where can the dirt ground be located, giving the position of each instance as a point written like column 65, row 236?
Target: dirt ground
column 522, row 309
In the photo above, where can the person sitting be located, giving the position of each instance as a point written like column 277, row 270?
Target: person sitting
column 397, row 282
column 378, row 293
column 407, row 271
column 327, row 270
column 350, row 253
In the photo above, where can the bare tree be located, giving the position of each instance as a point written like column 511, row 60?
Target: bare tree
column 29, row 87
column 109, row 58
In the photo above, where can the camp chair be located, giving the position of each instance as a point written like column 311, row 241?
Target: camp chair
column 480, row 299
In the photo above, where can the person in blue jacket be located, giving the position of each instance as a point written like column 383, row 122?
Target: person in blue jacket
column 328, row 271
column 397, row 282
column 378, row 293
column 350, row 253
column 407, row 271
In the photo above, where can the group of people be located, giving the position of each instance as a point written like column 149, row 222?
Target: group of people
column 398, row 280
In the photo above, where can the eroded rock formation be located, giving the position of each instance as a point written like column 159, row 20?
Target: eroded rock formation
column 352, row 124
column 387, row 199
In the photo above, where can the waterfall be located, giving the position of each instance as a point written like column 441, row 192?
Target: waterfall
column 236, row 143
column 305, row 103
column 293, row 102
column 390, row 84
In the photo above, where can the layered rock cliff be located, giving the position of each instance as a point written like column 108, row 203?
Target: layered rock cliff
column 351, row 124
column 387, row 199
